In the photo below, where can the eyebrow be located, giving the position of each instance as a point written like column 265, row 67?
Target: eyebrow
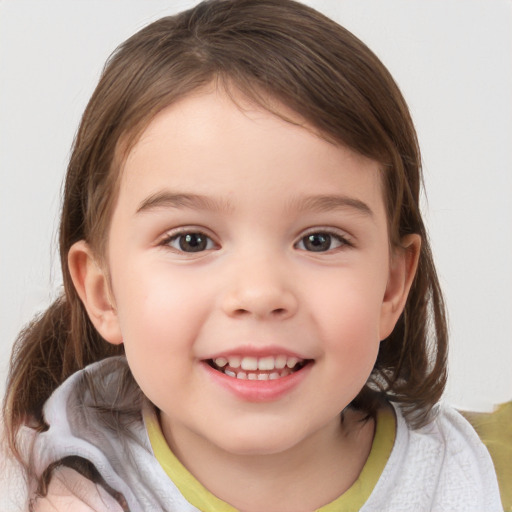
column 317, row 204
column 326, row 203
column 168, row 199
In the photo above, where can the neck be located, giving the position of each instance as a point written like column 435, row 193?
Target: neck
column 303, row 478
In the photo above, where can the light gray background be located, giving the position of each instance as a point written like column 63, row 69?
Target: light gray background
column 452, row 60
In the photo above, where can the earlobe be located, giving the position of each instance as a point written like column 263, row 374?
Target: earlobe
column 92, row 285
column 403, row 266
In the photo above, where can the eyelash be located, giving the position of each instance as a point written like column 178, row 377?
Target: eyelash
column 206, row 243
column 176, row 236
column 342, row 240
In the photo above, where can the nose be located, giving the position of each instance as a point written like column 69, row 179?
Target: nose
column 260, row 288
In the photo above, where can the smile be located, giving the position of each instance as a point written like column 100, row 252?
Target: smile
column 257, row 368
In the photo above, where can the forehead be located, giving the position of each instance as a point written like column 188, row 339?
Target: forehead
column 213, row 143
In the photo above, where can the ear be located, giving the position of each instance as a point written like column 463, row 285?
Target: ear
column 402, row 269
column 93, row 287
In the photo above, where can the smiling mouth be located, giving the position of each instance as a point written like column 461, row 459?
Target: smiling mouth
column 258, row 368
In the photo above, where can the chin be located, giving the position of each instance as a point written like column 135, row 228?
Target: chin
column 262, row 442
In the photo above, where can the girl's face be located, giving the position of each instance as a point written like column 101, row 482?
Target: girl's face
column 251, row 275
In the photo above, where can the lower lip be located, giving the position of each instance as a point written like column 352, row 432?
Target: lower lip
column 258, row 390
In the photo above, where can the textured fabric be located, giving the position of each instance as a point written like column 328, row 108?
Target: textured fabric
column 495, row 431
column 440, row 467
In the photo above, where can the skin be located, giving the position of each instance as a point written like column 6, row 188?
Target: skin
column 257, row 288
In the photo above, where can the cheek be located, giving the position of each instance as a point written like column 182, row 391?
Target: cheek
column 351, row 308
column 158, row 311
column 352, row 340
column 160, row 319
column 348, row 318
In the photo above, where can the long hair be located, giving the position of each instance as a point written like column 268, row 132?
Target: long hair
column 268, row 50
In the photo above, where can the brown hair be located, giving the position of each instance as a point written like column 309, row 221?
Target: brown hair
column 276, row 49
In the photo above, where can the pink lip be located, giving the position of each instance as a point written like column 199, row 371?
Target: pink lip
column 251, row 351
column 258, row 390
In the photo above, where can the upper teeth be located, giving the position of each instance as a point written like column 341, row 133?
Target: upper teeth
column 254, row 363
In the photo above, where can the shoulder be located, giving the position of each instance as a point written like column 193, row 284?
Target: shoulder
column 69, row 490
column 442, row 466
column 467, row 468
column 461, row 444
column 95, row 416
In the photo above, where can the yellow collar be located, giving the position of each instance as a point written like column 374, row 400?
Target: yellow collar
column 351, row 500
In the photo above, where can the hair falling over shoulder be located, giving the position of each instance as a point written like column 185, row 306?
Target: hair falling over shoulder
column 51, row 348
column 269, row 50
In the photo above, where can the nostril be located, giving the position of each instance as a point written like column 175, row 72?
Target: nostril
column 279, row 311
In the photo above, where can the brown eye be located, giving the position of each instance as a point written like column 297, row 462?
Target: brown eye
column 321, row 242
column 191, row 242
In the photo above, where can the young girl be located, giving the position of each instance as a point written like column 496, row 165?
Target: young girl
column 251, row 319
